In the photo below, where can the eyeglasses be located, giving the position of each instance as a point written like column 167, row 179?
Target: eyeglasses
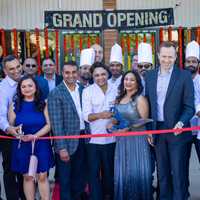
column 146, row 66
column 31, row 65
column 50, row 65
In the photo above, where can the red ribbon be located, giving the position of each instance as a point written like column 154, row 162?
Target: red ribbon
column 170, row 33
column 152, row 40
column 46, row 43
column 198, row 34
column 57, row 49
column 136, row 42
column 65, row 45
column 15, row 39
column 145, row 38
column 37, row 34
column 180, row 47
column 97, row 39
column 128, row 44
column 80, row 42
column 3, row 42
column 161, row 35
column 118, row 134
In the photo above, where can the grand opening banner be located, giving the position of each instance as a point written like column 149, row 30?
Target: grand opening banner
column 116, row 19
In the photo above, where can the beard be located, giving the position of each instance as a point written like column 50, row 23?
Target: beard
column 86, row 77
column 192, row 69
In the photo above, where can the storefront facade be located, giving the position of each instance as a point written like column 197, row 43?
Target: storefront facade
column 23, row 32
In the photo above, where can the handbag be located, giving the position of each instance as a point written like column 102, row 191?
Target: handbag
column 33, row 163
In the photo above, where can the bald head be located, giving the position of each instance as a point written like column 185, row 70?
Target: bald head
column 98, row 52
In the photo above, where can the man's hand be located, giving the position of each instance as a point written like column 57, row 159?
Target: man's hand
column 64, row 156
column 11, row 130
column 198, row 114
column 178, row 125
column 105, row 115
column 150, row 140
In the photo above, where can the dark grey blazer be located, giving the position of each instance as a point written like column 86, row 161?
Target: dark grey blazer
column 64, row 118
column 179, row 102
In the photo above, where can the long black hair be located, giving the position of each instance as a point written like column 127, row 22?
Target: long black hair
column 122, row 90
column 39, row 104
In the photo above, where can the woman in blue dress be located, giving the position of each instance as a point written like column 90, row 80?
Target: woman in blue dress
column 31, row 113
column 132, row 169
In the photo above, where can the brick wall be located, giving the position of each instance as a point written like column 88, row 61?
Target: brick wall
column 110, row 37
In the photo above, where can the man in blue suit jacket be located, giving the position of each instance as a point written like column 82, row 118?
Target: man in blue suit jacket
column 64, row 106
column 49, row 73
column 170, row 93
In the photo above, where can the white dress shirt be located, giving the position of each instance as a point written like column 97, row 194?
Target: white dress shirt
column 96, row 101
column 195, row 121
column 7, row 91
column 115, row 82
column 76, row 99
column 162, row 86
column 51, row 82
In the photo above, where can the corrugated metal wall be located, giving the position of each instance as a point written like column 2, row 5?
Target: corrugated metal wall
column 28, row 14
column 186, row 12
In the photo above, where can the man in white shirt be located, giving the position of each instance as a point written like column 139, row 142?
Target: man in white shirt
column 98, row 98
column 192, row 65
column 116, row 65
column 13, row 72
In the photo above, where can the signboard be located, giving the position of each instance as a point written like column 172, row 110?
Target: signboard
column 116, row 19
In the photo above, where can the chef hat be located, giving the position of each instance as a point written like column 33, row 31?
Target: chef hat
column 192, row 50
column 116, row 54
column 87, row 57
column 144, row 53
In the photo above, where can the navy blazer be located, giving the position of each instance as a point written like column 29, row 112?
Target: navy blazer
column 179, row 101
column 59, row 79
column 64, row 118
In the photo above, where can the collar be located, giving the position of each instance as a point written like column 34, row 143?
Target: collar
column 109, row 87
column 54, row 77
column 76, row 87
column 11, row 82
column 116, row 79
column 167, row 72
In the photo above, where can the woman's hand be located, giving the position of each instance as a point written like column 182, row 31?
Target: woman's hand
column 28, row 138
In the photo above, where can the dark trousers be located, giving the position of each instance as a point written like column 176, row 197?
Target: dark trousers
column 71, row 174
column 13, row 183
column 101, row 170
column 172, row 161
column 196, row 143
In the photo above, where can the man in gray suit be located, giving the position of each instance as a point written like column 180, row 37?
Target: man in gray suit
column 170, row 93
column 64, row 106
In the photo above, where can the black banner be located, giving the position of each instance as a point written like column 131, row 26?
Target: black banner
column 117, row 19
